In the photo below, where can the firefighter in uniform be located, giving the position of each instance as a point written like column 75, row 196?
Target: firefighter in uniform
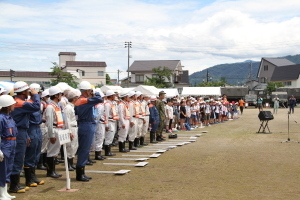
column 100, row 130
column 23, row 109
column 141, row 121
column 162, row 116
column 33, row 151
column 153, row 119
column 71, row 125
column 133, row 122
column 54, row 123
column 124, row 115
column 145, row 127
column 8, row 134
column 111, row 117
column 84, row 109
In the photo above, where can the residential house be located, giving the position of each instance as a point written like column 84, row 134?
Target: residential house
column 288, row 75
column 140, row 69
column 92, row 71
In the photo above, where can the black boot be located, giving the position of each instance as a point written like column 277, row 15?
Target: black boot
column 70, row 163
column 51, row 168
column 80, row 174
column 15, row 184
column 88, row 177
column 152, row 137
column 108, row 152
column 98, row 156
column 137, row 142
column 127, row 150
column 142, row 141
column 33, row 176
column 121, row 148
column 131, row 146
column 40, row 164
column 28, row 177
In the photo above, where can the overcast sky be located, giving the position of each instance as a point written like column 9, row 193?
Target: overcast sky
column 199, row 33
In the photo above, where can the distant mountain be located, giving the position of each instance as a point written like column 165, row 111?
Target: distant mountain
column 235, row 73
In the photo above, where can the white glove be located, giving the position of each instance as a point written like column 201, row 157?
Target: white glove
column 1, row 156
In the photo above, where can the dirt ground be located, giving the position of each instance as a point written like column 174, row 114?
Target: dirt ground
column 231, row 161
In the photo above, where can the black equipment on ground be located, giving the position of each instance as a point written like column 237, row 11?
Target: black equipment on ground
column 264, row 117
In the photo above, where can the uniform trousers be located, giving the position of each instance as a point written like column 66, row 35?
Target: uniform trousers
column 86, row 132
column 53, row 149
column 45, row 139
column 133, row 130
column 8, row 149
column 123, row 132
column 110, row 134
column 145, row 126
column 20, row 151
column 73, row 145
column 99, row 137
column 33, row 151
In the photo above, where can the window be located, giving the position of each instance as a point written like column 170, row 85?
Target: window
column 100, row 73
column 154, row 76
column 82, row 73
column 139, row 78
column 266, row 68
column 287, row 83
column 263, row 80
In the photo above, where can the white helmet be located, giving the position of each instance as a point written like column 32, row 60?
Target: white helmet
column 85, row 85
column 54, row 90
column 35, row 86
column 109, row 93
column 138, row 93
column 131, row 93
column 123, row 94
column 2, row 89
column 77, row 92
column 6, row 100
column 153, row 98
column 20, row 86
column 45, row 93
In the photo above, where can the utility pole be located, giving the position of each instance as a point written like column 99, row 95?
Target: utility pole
column 128, row 46
column 207, row 75
column 12, row 74
column 118, row 77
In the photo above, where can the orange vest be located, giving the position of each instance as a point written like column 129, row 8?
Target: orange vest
column 59, row 118
column 136, row 109
column 114, row 113
column 126, row 109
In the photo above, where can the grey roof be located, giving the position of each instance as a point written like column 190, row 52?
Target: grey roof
column 67, row 53
column 290, row 72
column 279, row 61
column 148, row 65
column 85, row 64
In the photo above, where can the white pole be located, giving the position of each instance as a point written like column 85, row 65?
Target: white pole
column 68, row 187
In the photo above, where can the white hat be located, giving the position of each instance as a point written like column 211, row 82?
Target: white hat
column 109, row 93
column 35, row 86
column 138, row 93
column 54, row 90
column 153, row 98
column 45, row 93
column 2, row 89
column 72, row 94
column 6, row 100
column 77, row 92
column 123, row 94
column 20, row 86
column 85, row 85
column 131, row 93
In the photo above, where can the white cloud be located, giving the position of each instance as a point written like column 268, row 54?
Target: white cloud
column 221, row 32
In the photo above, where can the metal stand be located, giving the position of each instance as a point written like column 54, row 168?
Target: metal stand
column 289, row 140
column 263, row 126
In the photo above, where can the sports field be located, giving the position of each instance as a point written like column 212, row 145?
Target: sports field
column 230, row 161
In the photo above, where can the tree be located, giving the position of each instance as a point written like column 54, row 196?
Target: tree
column 108, row 80
column 271, row 86
column 212, row 84
column 159, row 81
column 60, row 76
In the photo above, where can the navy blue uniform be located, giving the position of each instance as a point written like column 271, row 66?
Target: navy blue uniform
column 84, row 109
column 154, row 117
column 21, row 116
column 8, row 132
